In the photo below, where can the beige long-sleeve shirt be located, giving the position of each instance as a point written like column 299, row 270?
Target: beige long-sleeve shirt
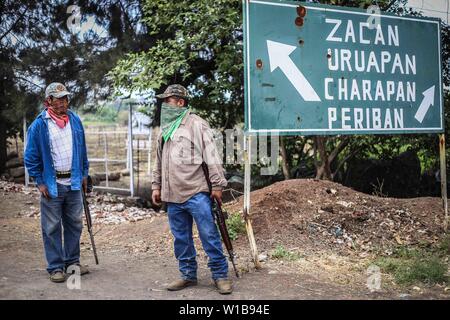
column 178, row 171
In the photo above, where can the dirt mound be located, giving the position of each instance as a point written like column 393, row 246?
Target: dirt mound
column 327, row 214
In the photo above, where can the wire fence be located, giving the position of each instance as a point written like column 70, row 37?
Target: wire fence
column 113, row 151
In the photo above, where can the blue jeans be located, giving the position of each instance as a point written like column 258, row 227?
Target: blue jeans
column 64, row 211
column 181, row 215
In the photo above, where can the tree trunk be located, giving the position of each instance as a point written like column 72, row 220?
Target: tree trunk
column 284, row 162
column 323, row 171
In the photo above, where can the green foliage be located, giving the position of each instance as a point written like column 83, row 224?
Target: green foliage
column 412, row 265
column 235, row 225
column 281, row 253
column 122, row 118
column 444, row 246
column 389, row 146
column 104, row 114
column 36, row 48
column 199, row 44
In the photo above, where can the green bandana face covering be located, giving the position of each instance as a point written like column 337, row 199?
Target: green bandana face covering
column 171, row 118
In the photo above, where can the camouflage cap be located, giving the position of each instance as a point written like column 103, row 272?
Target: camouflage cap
column 174, row 90
column 56, row 89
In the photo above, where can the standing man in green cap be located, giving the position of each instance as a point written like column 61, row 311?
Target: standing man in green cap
column 186, row 141
column 56, row 158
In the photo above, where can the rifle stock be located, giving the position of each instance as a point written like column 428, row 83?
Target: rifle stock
column 87, row 214
column 220, row 220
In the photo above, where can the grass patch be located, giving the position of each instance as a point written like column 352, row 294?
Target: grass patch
column 412, row 265
column 235, row 225
column 281, row 253
column 444, row 246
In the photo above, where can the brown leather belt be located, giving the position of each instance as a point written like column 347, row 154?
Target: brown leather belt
column 63, row 174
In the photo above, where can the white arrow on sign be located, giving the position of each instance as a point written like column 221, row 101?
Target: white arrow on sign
column 279, row 57
column 427, row 102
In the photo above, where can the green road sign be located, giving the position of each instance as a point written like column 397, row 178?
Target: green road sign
column 316, row 69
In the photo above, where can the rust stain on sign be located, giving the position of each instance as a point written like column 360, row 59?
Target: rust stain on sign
column 299, row 21
column 442, row 141
column 259, row 64
column 301, row 11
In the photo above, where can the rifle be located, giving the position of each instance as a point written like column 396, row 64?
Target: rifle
column 220, row 218
column 87, row 214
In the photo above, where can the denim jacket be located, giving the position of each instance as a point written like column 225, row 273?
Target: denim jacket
column 38, row 158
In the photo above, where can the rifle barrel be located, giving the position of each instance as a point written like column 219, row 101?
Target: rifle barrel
column 87, row 214
column 224, row 233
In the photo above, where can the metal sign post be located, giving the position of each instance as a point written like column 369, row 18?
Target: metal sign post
column 130, row 147
column 149, row 155
column 25, row 139
column 247, row 218
column 105, row 141
column 443, row 170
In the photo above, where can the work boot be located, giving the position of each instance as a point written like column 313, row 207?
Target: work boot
column 224, row 286
column 57, row 276
column 83, row 269
column 181, row 284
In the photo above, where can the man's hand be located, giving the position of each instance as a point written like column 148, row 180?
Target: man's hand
column 156, row 196
column 44, row 191
column 85, row 182
column 217, row 194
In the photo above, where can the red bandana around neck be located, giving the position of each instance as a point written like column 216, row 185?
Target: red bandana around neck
column 61, row 121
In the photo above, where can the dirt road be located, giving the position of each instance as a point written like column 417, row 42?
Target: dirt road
column 136, row 262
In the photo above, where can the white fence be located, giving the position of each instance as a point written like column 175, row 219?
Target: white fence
column 131, row 145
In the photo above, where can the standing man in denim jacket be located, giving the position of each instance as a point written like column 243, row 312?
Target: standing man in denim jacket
column 56, row 158
column 185, row 142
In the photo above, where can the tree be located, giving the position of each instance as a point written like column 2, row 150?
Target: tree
column 328, row 150
column 199, row 45
column 37, row 48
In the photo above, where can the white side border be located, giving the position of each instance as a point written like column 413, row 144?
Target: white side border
column 248, row 68
column 333, row 10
